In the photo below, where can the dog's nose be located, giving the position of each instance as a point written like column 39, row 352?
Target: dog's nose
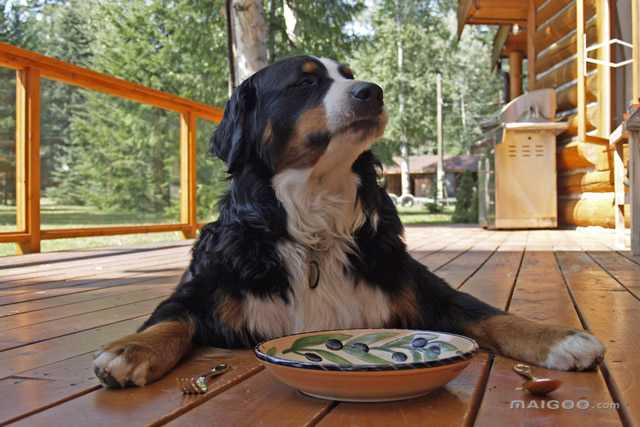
column 367, row 92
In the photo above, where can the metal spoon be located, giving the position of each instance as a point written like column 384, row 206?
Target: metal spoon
column 535, row 385
column 200, row 384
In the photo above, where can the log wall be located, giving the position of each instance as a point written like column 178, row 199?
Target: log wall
column 585, row 177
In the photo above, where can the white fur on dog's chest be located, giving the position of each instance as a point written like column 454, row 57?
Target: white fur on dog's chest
column 321, row 227
column 337, row 301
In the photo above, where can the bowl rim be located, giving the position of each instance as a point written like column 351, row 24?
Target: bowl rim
column 367, row 367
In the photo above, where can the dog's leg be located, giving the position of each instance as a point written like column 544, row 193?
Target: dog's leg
column 555, row 347
column 143, row 357
column 444, row 308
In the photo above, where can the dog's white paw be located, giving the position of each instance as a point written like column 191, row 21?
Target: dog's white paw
column 577, row 351
column 126, row 367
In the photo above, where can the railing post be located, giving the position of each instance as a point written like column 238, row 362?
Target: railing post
column 604, row 92
column 28, row 158
column 581, row 40
column 531, row 46
column 188, row 173
column 635, row 34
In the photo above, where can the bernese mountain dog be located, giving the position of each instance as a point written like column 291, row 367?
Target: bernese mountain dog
column 307, row 239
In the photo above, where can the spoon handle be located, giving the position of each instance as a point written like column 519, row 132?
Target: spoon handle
column 218, row 370
column 524, row 370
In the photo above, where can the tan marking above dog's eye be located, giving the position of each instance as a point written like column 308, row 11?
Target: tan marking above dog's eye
column 346, row 72
column 309, row 67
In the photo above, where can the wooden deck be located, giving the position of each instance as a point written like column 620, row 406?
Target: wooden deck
column 56, row 309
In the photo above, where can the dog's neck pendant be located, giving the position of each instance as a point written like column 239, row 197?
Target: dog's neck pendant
column 314, row 274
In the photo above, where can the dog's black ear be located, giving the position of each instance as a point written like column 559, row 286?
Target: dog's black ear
column 235, row 139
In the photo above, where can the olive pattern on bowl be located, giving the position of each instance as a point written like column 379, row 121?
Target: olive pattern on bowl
column 371, row 350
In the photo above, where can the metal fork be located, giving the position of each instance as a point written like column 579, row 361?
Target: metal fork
column 200, row 384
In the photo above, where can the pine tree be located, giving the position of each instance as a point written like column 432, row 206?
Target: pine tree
column 466, row 210
column 126, row 154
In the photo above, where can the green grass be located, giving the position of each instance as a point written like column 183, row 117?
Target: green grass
column 416, row 215
column 81, row 216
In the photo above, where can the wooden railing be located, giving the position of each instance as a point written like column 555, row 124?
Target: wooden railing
column 30, row 68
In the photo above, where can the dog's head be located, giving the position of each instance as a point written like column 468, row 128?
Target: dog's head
column 302, row 112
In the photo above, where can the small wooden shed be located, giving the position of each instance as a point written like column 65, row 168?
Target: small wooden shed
column 422, row 172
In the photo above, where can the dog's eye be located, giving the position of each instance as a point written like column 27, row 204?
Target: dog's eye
column 307, row 80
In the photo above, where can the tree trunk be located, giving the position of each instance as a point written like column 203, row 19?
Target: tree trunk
column 440, row 174
column 405, row 173
column 290, row 22
column 249, row 36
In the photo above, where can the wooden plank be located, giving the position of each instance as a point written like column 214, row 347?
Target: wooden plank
column 82, row 268
column 28, row 158
column 604, row 91
column 46, row 291
column 260, row 400
column 21, row 337
column 47, row 352
column 86, row 274
column 610, row 311
column 86, row 403
column 451, row 405
column 23, row 314
column 531, row 46
column 46, row 412
column 463, row 267
column 188, row 174
column 51, row 68
column 452, row 250
column 620, row 268
column 123, row 297
column 19, row 262
column 457, row 402
column 64, row 233
column 540, row 294
column 580, row 17
column 493, row 283
column 45, row 387
column 14, row 237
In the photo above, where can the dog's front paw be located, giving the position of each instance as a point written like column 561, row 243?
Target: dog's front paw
column 121, row 365
column 577, row 351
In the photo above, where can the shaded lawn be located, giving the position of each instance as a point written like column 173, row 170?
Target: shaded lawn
column 417, row 215
column 82, row 216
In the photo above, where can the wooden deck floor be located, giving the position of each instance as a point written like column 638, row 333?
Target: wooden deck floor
column 57, row 309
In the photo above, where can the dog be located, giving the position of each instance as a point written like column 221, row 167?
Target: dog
column 307, row 239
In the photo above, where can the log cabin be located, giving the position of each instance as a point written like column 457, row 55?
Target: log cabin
column 587, row 51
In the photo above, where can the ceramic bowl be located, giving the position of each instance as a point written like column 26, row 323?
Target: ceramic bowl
column 367, row 365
